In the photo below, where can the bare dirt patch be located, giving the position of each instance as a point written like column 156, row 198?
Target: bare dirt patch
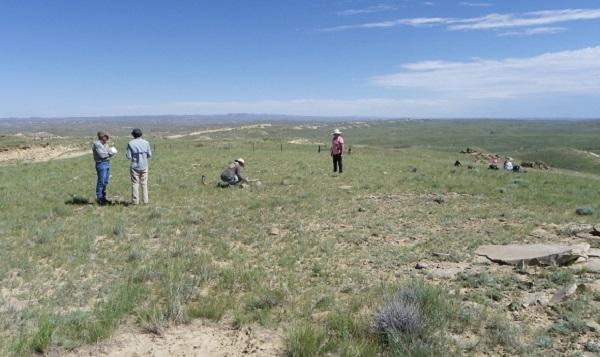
column 304, row 142
column 220, row 130
column 40, row 153
column 199, row 338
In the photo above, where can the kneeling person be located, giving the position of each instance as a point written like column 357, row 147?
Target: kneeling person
column 232, row 174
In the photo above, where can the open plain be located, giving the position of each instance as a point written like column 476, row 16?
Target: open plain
column 306, row 262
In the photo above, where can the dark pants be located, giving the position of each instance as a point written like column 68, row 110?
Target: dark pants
column 103, row 172
column 230, row 179
column 337, row 162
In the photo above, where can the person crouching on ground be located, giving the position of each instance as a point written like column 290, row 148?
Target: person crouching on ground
column 138, row 152
column 494, row 164
column 102, row 155
column 337, row 149
column 232, row 174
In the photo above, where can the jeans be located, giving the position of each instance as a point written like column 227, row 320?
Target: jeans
column 103, row 172
column 337, row 162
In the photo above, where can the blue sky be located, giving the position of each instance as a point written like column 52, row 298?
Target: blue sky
column 395, row 58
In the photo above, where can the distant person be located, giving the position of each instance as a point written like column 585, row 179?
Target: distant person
column 494, row 164
column 337, row 149
column 508, row 165
column 138, row 152
column 102, row 155
column 231, row 176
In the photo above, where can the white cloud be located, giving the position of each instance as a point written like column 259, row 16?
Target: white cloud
column 563, row 73
column 535, row 31
column 367, row 10
column 475, row 4
column 415, row 22
column 537, row 18
column 487, row 22
column 428, row 3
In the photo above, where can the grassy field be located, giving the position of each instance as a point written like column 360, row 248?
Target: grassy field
column 310, row 254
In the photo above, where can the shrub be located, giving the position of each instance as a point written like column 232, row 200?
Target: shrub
column 400, row 315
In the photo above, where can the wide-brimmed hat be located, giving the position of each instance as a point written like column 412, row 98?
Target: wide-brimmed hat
column 102, row 134
column 336, row 132
column 241, row 161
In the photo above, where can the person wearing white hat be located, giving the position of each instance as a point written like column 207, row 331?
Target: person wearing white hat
column 232, row 174
column 102, row 155
column 337, row 149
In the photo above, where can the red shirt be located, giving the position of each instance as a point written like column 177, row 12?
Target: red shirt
column 337, row 145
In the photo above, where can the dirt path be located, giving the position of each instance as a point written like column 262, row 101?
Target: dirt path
column 219, row 130
column 40, row 153
column 199, row 338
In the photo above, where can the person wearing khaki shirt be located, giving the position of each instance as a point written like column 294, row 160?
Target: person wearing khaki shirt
column 138, row 152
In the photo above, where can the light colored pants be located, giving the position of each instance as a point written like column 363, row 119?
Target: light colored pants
column 139, row 178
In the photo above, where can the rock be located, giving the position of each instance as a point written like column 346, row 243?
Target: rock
column 584, row 211
column 592, row 346
column 542, row 233
column 535, row 298
column 413, row 169
column 586, row 235
column 501, row 190
column 274, row 231
column 285, row 182
column 533, row 254
column 574, row 228
column 345, row 187
column 594, row 252
column 421, row 266
column 563, row 293
column 597, row 228
column 592, row 265
column 593, row 326
column 360, row 209
column 439, row 199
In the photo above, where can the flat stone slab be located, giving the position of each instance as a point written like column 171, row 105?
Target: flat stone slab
column 534, row 254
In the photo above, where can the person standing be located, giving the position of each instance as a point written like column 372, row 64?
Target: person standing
column 337, row 149
column 102, row 155
column 138, row 152
column 508, row 165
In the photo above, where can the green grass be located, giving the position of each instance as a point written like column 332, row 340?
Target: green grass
column 198, row 251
